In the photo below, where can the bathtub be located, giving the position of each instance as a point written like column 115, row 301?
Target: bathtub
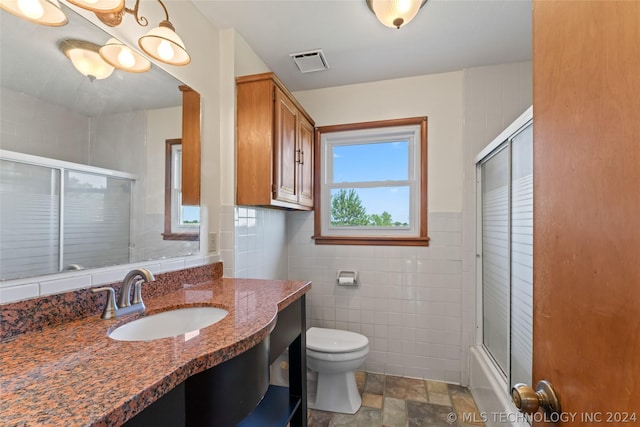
column 489, row 389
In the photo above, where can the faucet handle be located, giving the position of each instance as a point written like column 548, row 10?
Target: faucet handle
column 110, row 307
column 137, row 292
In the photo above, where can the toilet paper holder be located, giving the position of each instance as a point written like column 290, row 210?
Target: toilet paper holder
column 347, row 278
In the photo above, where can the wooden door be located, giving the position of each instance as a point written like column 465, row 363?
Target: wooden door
column 306, row 159
column 286, row 127
column 586, row 80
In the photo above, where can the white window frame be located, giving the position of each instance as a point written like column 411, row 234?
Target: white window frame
column 411, row 130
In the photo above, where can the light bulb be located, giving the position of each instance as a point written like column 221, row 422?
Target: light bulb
column 165, row 51
column 403, row 6
column 125, row 58
column 31, row 8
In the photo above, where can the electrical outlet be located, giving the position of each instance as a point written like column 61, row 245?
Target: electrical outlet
column 213, row 242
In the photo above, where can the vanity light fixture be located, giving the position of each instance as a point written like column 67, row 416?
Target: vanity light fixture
column 164, row 44
column 122, row 57
column 161, row 43
column 395, row 13
column 44, row 12
column 85, row 58
column 100, row 6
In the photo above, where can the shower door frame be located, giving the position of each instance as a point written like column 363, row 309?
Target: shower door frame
column 500, row 143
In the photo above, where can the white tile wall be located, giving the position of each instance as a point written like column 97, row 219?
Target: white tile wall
column 408, row 301
column 20, row 289
column 45, row 130
column 253, row 242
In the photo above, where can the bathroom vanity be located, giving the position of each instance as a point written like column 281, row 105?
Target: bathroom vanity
column 74, row 374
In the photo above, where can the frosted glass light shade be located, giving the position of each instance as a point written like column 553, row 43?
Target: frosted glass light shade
column 162, row 43
column 395, row 13
column 122, row 57
column 43, row 12
column 85, row 58
column 104, row 6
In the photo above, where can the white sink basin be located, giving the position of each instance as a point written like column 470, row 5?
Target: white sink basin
column 168, row 324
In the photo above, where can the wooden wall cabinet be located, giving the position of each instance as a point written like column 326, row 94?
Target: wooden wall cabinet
column 190, row 146
column 275, row 145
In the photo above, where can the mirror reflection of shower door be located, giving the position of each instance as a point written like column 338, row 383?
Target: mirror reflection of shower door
column 507, row 255
column 96, row 219
column 30, row 223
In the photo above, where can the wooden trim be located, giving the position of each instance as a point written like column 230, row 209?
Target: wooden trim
column 190, row 146
column 181, row 236
column 372, row 125
column 168, row 234
column 423, row 238
column 424, row 157
column 317, row 187
column 371, row 241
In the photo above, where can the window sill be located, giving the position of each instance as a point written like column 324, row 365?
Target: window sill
column 371, row 241
column 181, row 236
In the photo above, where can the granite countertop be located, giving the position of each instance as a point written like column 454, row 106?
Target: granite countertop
column 73, row 374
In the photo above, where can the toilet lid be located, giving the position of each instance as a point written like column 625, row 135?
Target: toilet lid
column 334, row 340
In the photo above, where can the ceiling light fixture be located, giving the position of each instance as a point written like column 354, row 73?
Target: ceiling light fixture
column 395, row 13
column 44, row 12
column 122, row 57
column 85, row 58
column 161, row 43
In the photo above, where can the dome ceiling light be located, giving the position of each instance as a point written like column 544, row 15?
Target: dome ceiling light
column 395, row 13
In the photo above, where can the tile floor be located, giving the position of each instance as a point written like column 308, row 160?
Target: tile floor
column 389, row 401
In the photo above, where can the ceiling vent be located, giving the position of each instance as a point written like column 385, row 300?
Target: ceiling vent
column 312, row 60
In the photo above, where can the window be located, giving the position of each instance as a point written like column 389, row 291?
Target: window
column 373, row 183
column 181, row 222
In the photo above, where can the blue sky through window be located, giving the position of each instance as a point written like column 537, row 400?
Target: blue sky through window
column 385, row 161
column 191, row 214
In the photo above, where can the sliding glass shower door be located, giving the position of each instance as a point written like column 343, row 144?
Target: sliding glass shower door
column 506, row 250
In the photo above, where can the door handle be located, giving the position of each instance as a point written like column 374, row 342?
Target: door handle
column 528, row 400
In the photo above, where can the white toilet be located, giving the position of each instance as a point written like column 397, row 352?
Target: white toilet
column 335, row 355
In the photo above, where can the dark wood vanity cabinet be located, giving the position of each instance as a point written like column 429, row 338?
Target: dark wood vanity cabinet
column 237, row 392
column 282, row 405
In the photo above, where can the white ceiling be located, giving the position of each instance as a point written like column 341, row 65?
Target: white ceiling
column 33, row 64
column 447, row 35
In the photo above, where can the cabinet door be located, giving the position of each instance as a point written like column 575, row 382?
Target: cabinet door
column 286, row 119
column 305, row 179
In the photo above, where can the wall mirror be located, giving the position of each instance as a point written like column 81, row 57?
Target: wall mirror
column 82, row 173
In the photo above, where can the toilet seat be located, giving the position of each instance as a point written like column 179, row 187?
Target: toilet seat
column 323, row 340
column 338, row 357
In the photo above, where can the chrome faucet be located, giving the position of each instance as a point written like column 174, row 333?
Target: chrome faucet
column 72, row 267
column 140, row 275
column 124, row 306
